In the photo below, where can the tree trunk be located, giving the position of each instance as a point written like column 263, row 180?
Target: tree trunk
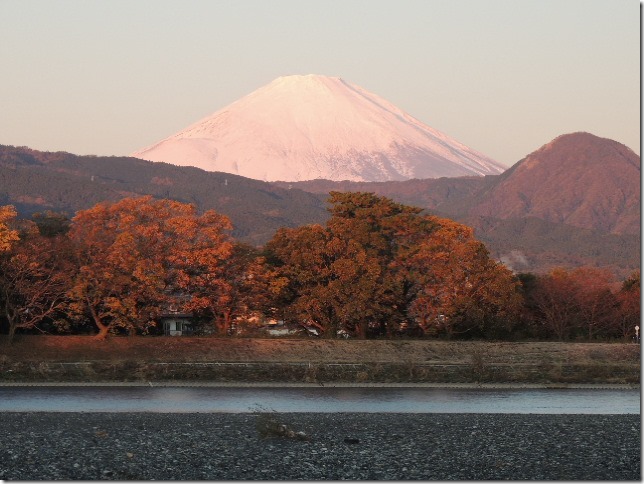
column 103, row 331
column 220, row 325
column 12, row 332
column 226, row 323
column 11, row 319
column 361, row 330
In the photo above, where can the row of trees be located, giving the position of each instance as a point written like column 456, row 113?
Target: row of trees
column 582, row 304
column 377, row 268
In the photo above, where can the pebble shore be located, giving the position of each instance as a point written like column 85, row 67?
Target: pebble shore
column 349, row 446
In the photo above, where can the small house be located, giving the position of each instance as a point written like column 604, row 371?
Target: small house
column 176, row 324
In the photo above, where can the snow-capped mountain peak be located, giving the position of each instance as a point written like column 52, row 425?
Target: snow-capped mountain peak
column 306, row 127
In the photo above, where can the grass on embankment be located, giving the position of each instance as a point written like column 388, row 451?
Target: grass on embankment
column 83, row 358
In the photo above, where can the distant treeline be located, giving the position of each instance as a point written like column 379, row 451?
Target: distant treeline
column 375, row 269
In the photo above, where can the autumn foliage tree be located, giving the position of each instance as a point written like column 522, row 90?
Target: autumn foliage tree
column 298, row 255
column 380, row 235
column 8, row 235
column 248, row 289
column 378, row 263
column 51, row 223
column 140, row 255
column 596, row 300
column 339, row 275
column 578, row 303
column 35, row 275
column 374, row 268
column 460, row 290
column 556, row 307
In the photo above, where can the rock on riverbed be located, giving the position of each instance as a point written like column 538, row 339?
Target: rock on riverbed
column 143, row 446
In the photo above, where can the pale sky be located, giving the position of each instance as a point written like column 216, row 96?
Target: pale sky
column 503, row 77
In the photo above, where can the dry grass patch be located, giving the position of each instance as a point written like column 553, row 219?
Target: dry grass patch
column 209, row 349
column 68, row 358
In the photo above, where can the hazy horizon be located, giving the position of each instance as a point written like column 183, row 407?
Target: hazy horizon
column 503, row 77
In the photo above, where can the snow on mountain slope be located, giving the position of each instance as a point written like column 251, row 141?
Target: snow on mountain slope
column 308, row 127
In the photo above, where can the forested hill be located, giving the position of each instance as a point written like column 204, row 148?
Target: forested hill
column 577, row 179
column 534, row 217
column 34, row 181
column 575, row 201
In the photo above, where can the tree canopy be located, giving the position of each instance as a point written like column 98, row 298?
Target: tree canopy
column 139, row 256
column 7, row 235
column 377, row 268
column 377, row 264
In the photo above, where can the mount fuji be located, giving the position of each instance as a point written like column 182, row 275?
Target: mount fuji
column 316, row 127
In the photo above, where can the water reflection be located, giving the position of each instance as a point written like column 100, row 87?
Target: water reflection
column 374, row 400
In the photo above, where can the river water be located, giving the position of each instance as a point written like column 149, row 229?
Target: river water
column 314, row 399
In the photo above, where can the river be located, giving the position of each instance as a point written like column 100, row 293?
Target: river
column 214, row 399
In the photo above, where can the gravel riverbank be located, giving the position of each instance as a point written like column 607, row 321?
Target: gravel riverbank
column 144, row 446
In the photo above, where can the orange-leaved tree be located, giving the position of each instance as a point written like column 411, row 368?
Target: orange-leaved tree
column 373, row 293
column 8, row 235
column 378, row 263
column 339, row 275
column 35, row 275
column 333, row 283
column 575, row 303
column 597, row 302
column 299, row 257
column 459, row 288
column 140, row 255
column 249, row 291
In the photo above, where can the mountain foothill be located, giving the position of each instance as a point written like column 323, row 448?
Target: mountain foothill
column 573, row 202
column 270, row 160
